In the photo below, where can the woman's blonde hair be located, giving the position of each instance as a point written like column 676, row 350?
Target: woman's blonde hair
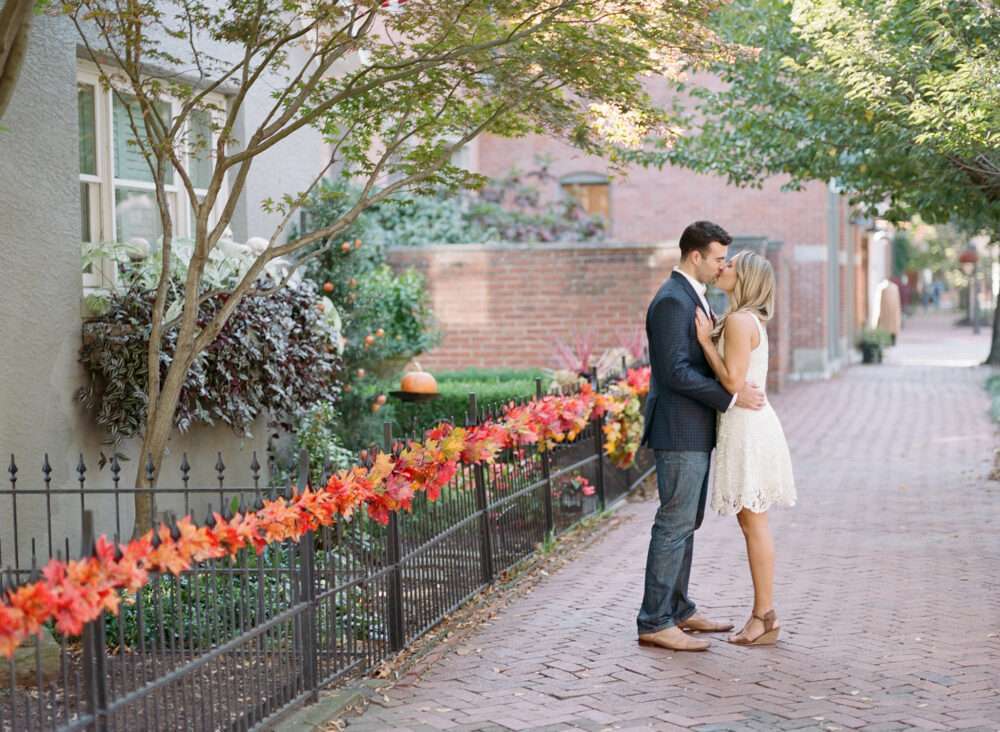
column 754, row 291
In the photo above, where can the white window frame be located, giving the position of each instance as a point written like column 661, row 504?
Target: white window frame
column 102, row 210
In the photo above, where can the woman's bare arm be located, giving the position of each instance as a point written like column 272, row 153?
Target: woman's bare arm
column 740, row 334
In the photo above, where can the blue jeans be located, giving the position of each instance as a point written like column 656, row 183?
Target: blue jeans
column 682, row 482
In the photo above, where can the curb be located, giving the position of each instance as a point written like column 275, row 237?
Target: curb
column 332, row 704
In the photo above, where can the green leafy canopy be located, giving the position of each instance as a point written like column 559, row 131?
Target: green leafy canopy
column 896, row 101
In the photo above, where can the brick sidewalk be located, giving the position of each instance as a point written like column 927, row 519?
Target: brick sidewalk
column 888, row 587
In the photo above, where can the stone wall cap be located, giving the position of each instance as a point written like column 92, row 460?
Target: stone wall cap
column 536, row 246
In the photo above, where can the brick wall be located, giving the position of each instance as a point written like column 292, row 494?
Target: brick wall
column 506, row 304
column 650, row 205
column 654, row 205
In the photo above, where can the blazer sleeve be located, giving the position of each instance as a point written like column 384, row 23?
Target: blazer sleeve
column 672, row 346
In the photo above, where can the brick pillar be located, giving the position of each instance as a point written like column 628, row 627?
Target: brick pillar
column 778, row 330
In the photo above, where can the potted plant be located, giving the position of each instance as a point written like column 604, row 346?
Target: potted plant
column 871, row 342
column 574, row 492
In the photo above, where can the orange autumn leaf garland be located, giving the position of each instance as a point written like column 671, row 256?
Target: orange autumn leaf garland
column 75, row 592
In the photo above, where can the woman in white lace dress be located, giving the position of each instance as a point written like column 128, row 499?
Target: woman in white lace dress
column 753, row 469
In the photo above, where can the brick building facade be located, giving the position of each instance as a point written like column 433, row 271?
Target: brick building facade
column 504, row 305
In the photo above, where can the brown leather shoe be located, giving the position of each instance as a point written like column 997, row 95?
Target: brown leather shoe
column 704, row 625
column 673, row 639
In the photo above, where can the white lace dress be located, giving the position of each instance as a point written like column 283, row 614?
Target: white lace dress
column 753, row 468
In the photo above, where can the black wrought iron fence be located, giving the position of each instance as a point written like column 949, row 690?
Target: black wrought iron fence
column 231, row 643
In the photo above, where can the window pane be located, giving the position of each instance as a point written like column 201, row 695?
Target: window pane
column 200, row 145
column 85, row 230
column 85, row 219
column 462, row 158
column 88, row 138
column 129, row 161
column 592, row 197
column 136, row 215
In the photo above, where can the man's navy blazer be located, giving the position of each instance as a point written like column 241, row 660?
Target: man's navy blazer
column 684, row 395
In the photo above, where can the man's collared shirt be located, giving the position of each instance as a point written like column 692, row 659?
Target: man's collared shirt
column 699, row 287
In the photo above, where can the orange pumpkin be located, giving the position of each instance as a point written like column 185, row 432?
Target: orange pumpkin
column 418, row 382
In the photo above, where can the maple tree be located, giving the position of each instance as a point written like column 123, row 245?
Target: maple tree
column 394, row 91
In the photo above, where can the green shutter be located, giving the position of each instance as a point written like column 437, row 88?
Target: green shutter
column 200, row 145
column 88, row 129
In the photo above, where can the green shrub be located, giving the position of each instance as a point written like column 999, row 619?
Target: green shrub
column 993, row 387
column 491, row 386
column 496, row 375
column 386, row 316
column 316, row 433
column 874, row 336
column 199, row 610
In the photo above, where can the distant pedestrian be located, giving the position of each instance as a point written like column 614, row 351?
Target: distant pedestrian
column 890, row 312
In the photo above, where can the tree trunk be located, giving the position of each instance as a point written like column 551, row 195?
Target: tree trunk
column 153, row 447
column 15, row 20
column 994, row 358
column 154, row 441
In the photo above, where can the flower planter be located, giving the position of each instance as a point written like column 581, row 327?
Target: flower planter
column 871, row 353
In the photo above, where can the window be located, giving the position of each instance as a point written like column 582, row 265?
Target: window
column 591, row 191
column 465, row 157
column 117, row 193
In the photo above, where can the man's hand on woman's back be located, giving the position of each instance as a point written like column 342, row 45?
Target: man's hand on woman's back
column 751, row 396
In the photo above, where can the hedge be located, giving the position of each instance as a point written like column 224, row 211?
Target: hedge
column 490, row 386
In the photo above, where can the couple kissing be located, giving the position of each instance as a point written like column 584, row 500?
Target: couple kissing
column 706, row 405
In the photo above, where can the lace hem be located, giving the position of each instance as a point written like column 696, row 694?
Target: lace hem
column 732, row 507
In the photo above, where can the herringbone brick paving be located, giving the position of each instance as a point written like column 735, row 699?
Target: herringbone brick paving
column 888, row 586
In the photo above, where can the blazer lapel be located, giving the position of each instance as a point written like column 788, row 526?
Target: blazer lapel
column 686, row 286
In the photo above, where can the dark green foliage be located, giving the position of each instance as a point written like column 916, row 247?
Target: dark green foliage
column 198, row 610
column 386, row 317
column 275, row 355
column 894, row 102
column 902, row 253
column 491, row 386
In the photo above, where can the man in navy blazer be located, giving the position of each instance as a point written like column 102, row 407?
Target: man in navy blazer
column 681, row 410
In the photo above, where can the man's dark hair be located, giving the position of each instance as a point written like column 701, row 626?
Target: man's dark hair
column 700, row 234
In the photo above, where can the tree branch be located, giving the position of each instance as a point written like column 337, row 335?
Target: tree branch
column 15, row 22
column 212, row 330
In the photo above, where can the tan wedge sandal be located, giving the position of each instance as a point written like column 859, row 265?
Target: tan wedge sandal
column 767, row 638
